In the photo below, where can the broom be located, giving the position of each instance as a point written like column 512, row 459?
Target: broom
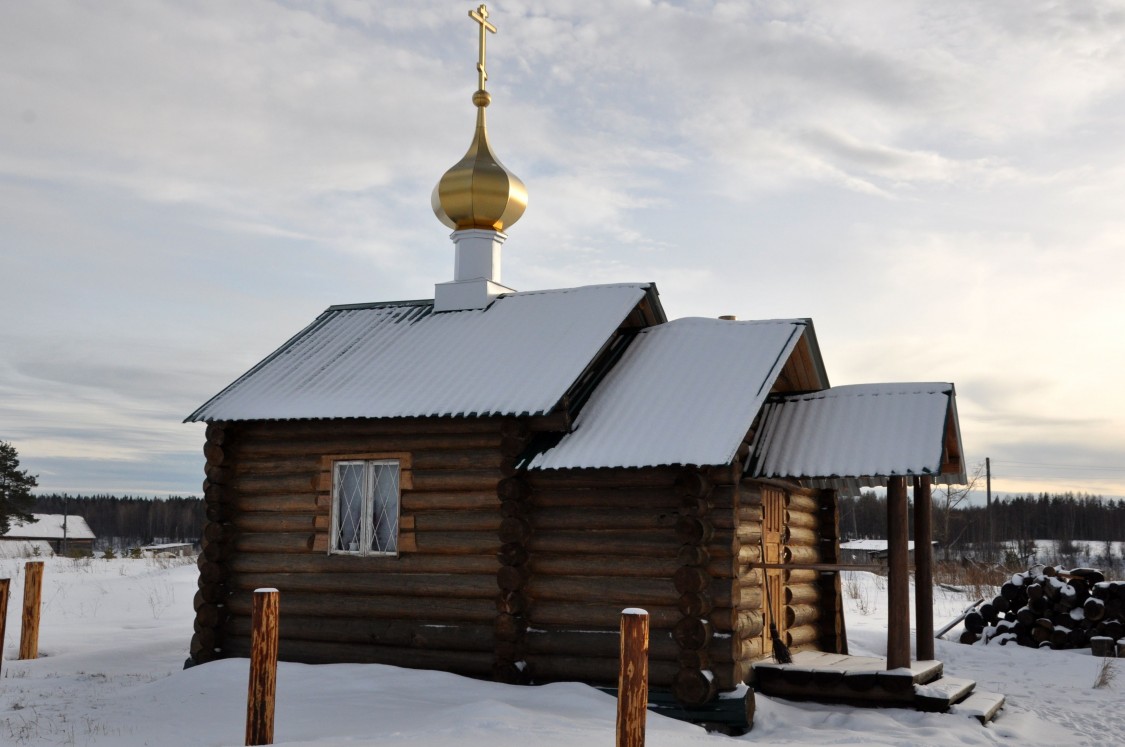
column 780, row 651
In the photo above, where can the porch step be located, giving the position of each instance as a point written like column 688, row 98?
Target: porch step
column 939, row 695
column 981, row 705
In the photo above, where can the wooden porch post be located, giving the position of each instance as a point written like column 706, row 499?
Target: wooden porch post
column 923, row 569
column 898, row 576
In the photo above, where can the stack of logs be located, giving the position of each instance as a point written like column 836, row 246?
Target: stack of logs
column 1051, row 608
column 512, row 604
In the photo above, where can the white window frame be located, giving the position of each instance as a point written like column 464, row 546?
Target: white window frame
column 368, row 515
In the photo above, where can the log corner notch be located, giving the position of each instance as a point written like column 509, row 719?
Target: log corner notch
column 694, row 684
column 217, row 545
column 514, row 573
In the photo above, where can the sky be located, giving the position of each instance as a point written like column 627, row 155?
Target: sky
column 940, row 186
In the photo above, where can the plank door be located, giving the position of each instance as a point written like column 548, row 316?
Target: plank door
column 773, row 525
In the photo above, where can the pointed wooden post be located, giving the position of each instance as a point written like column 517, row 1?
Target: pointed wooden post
column 5, row 584
column 32, row 593
column 898, row 575
column 923, row 569
column 632, row 681
column 263, row 667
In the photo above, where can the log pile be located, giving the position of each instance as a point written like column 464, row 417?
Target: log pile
column 1052, row 608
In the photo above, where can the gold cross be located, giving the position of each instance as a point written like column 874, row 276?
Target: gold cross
column 480, row 15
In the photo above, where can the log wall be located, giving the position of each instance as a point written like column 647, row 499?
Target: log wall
column 268, row 500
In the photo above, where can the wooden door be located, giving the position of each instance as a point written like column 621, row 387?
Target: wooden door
column 773, row 525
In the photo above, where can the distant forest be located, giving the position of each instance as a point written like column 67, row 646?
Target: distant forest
column 131, row 522
column 1016, row 520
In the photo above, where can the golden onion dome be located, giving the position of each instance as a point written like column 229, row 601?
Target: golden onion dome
column 478, row 191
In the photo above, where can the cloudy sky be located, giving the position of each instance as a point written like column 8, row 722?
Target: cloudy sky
column 940, row 186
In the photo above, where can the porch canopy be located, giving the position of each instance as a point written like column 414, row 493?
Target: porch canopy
column 849, row 437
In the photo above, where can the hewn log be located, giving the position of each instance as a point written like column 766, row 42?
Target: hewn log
column 802, row 594
column 202, row 647
column 472, row 663
column 512, row 578
column 210, row 615
column 596, row 643
column 513, row 553
column 301, row 503
column 804, row 503
column 749, row 534
column 275, row 542
column 484, row 564
column 546, row 612
column 446, row 500
column 751, row 647
column 483, row 479
column 743, row 622
column 693, row 633
column 213, row 453
column 632, row 681
column 509, row 627
column 604, row 518
column 692, row 484
column 802, row 635
column 749, row 554
column 263, row 523
column 647, row 544
column 518, row 509
column 618, row 590
column 547, row 480
column 262, row 691
column 555, row 564
column 514, row 530
column 692, row 687
column 284, row 484
column 693, row 531
column 453, row 609
column 694, row 659
column 594, row 670
column 801, row 614
column 697, row 604
column 689, row 579
column 797, row 554
column 468, row 459
column 648, row 499
column 292, row 464
column 802, row 576
column 406, row 633
column 420, row 584
column 360, row 428
column 513, row 489
column 213, row 593
column 799, row 536
column 457, row 521
column 216, row 433
column 210, row 573
column 458, row 543
column 802, row 520
column 512, row 603
column 339, row 444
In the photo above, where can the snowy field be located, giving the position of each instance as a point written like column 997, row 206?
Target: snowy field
column 115, row 634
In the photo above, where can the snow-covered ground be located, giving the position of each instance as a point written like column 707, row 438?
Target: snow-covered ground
column 115, row 633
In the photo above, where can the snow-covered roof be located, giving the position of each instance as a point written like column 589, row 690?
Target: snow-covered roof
column 872, row 545
column 50, row 526
column 684, row 392
column 518, row 356
column 859, row 435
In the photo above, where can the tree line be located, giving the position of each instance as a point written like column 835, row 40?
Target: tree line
column 122, row 522
column 1016, row 519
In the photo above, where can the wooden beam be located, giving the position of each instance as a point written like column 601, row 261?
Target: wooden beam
column 923, row 568
column 898, row 575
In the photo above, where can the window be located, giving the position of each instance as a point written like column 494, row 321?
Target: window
column 365, row 507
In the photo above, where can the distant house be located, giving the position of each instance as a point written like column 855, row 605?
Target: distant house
column 50, row 530
column 168, row 550
column 860, row 552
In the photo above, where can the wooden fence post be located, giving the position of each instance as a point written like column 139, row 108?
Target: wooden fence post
column 263, row 668
column 5, row 584
column 32, row 593
column 632, row 681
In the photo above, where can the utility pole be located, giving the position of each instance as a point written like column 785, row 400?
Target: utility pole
column 988, row 506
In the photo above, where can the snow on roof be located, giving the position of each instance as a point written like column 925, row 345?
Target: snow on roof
column 50, row 526
column 518, row 356
column 684, row 392
column 872, row 545
column 864, row 432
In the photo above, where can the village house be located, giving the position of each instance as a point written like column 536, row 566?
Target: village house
column 481, row 481
column 49, row 534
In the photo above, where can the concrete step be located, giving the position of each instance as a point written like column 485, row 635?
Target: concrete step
column 980, row 705
column 937, row 696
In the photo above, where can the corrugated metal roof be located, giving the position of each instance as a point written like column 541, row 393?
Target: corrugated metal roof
column 685, row 392
column 848, row 436
column 50, row 526
column 518, row 356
